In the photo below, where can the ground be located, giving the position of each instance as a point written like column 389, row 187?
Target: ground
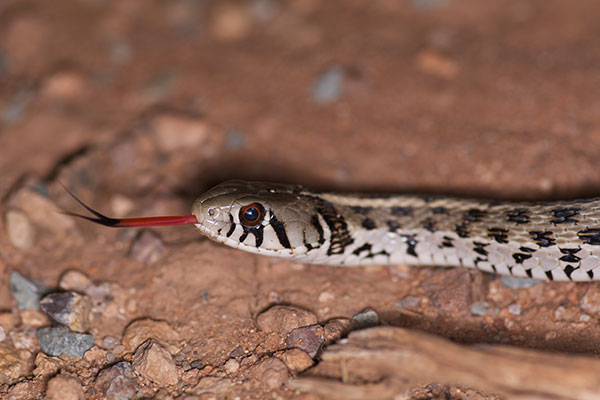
column 138, row 107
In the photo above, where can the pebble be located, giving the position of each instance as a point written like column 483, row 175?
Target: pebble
column 64, row 388
column 68, row 308
column 19, row 229
column 27, row 292
column 284, row 319
column 60, row 340
column 2, row 334
column 480, row 308
column 232, row 366
column 437, row 64
column 230, row 21
column 590, row 302
column 141, row 330
column 118, row 382
column 271, row 372
column 336, row 328
column 514, row 309
column 110, row 342
column 45, row 365
column 366, row 318
column 563, row 313
column 76, row 281
column 296, row 360
column 42, row 211
column 306, row 338
column 155, row 363
column 409, row 302
column 514, row 282
column 174, row 132
column 147, row 247
column 24, row 339
column 63, row 85
column 11, row 365
column 328, row 86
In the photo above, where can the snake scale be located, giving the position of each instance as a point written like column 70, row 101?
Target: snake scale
column 547, row 241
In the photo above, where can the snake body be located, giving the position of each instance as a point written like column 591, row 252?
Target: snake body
column 547, row 241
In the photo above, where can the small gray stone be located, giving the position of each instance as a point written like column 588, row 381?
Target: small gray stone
column 118, row 382
column 480, row 308
column 365, row 318
column 514, row 282
column 329, row 85
column 60, row 340
column 27, row 292
column 307, row 338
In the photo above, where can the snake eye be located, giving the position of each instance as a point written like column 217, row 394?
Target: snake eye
column 252, row 214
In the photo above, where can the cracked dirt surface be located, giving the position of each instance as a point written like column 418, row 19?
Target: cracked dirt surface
column 138, row 107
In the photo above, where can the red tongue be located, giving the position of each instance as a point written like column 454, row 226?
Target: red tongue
column 132, row 222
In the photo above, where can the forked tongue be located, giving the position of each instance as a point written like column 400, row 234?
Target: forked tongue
column 131, row 222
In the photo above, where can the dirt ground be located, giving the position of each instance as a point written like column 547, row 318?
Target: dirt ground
column 138, row 107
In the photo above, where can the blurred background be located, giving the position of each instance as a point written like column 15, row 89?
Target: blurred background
column 494, row 98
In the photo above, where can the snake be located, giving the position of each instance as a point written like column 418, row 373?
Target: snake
column 558, row 241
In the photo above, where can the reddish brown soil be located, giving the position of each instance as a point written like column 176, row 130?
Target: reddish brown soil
column 496, row 98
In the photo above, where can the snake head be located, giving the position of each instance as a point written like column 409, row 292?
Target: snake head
column 265, row 218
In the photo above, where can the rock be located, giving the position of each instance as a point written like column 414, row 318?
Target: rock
column 24, row 339
column 42, row 211
column 45, row 365
column 329, row 85
column 230, row 21
column 271, row 372
column 435, row 63
column 409, row 302
column 514, row 309
column 2, row 334
column 27, row 292
column 68, row 308
column 110, row 342
column 19, row 229
column 74, row 280
column 336, row 328
column 366, row 318
column 64, row 388
column 155, row 363
column 60, row 340
column 232, row 366
column 284, row 319
column 306, row 338
column 514, row 282
column 118, row 382
column 296, row 360
column 143, row 329
column 147, row 247
column 480, row 308
column 63, row 85
column 11, row 365
column 174, row 132
column 590, row 302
